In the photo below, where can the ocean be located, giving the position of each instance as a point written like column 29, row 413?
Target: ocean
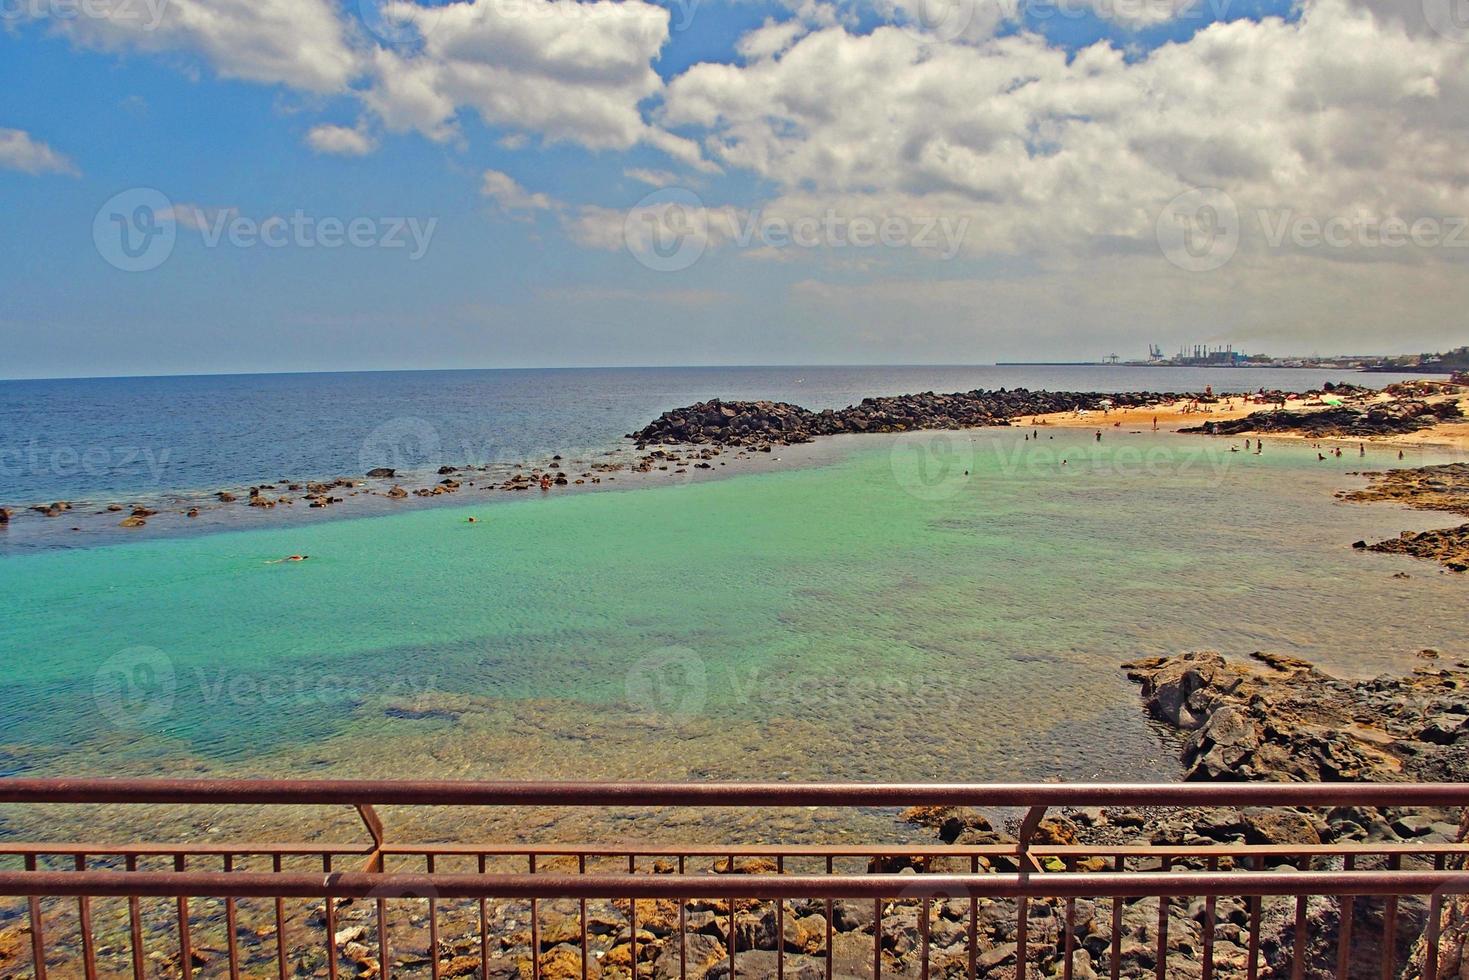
column 938, row 606
column 87, row 439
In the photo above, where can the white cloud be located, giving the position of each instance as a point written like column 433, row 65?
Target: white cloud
column 771, row 38
column 1053, row 154
column 340, row 140
column 20, row 151
column 557, row 70
column 653, row 178
column 509, row 195
column 568, row 71
column 300, row 43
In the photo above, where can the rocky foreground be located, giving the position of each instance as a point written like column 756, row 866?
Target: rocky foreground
column 1438, row 488
column 1274, row 718
column 747, row 423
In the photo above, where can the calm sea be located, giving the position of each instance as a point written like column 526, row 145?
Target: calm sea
column 933, row 606
column 81, row 439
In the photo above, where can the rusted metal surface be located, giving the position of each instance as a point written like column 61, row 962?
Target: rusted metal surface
column 58, row 905
column 443, row 793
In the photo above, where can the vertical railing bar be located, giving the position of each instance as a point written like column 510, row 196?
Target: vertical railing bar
column 973, row 923
column 280, row 923
column 1070, row 945
column 1435, row 916
column 683, row 929
column 632, row 919
column 1115, row 965
column 731, row 938
column 38, row 927
column 1210, row 919
column 1346, row 909
column 1253, row 969
column 1022, row 933
column 925, row 909
column 433, row 923
column 535, row 930
column 586, row 950
column 830, row 950
column 780, row 925
column 877, row 939
column 1163, row 904
column 231, row 920
column 135, row 924
column 1298, row 956
column 331, row 925
column 484, row 930
column 1390, row 926
column 84, row 923
column 385, row 967
column 186, row 946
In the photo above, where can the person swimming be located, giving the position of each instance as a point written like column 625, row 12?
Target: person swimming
column 288, row 558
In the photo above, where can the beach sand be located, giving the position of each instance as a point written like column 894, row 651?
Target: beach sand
column 1186, row 413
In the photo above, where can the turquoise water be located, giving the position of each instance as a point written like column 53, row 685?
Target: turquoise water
column 883, row 615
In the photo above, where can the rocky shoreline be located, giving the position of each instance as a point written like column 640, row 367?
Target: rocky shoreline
column 1396, row 418
column 1437, row 488
column 710, row 434
column 764, row 423
column 1273, row 718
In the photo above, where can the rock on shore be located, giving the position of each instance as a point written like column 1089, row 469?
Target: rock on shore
column 1394, row 418
column 1282, row 719
column 744, row 423
column 1439, row 488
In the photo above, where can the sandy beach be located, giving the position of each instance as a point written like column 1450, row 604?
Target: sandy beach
column 1185, row 413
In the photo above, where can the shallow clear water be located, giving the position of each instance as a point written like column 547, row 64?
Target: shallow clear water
column 938, row 606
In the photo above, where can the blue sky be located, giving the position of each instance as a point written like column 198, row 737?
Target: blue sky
column 1024, row 166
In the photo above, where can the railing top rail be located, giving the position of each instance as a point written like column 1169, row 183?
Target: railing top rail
column 767, row 887
column 722, row 851
column 442, row 793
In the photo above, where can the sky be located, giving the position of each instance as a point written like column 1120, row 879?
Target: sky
column 203, row 186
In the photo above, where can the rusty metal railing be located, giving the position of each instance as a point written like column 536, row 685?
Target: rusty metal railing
column 1068, row 903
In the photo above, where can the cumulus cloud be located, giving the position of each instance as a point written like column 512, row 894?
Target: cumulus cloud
column 1059, row 153
column 558, row 70
column 568, row 71
column 340, row 140
column 304, row 44
column 20, row 151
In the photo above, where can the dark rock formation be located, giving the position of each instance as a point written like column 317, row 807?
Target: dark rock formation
column 1437, row 488
column 781, row 423
column 1448, row 546
column 1392, row 418
column 1283, row 719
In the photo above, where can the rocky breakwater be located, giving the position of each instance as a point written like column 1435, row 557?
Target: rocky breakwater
column 1340, row 421
column 1439, row 488
column 765, row 423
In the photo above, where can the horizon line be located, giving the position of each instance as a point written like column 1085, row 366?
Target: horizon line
column 660, row 367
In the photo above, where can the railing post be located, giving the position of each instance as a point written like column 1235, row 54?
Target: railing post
column 374, row 827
